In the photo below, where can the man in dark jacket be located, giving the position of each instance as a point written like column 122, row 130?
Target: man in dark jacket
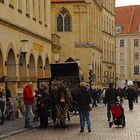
column 130, row 95
column 110, row 97
column 83, row 99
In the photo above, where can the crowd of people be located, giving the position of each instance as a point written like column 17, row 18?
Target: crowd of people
column 57, row 102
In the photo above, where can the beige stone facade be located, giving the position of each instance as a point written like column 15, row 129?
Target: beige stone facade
column 128, row 44
column 91, row 37
column 24, row 23
column 109, row 47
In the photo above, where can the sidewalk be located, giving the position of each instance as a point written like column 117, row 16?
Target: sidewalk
column 15, row 127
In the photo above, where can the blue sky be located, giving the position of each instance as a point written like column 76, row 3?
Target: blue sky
column 127, row 2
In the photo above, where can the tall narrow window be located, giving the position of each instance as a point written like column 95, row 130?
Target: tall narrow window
column 136, row 55
column 136, row 70
column 11, row 4
column 34, row 9
column 121, row 56
column 28, row 8
column 39, row 10
column 136, row 42
column 1, row 1
column 45, row 12
column 63, row 21
column 20, row 6
column 121, row 43
column 59, row 23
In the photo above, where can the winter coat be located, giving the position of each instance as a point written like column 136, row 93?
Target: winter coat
column 111, row 95
column 131, row 94
column 83, row 100
column 28, row 96
column 43, row 100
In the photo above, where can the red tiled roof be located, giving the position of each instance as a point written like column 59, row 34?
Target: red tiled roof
column 60, row 1
column 128, row 17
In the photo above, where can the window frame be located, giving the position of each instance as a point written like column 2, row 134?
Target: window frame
column 63, row 15
column 122, row 46
column 136, row 70
column 136, row 42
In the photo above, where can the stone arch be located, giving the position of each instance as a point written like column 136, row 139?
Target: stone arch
column 47, row 67
column 31, row 66
column 11, row 65
column 40, row 67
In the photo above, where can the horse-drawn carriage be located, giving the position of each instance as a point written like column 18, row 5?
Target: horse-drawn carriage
column 66, row 74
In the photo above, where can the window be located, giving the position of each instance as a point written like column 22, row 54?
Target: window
column 27, row 8
column 122, row 71
column 20, row 6
column 118, row 29
column 136, row 42
column 63, row 21
column 139, row 28
column 121, row 43
column 11, row 4
column 136, row 70
column 136, row 55
column 121, row 56
column 34, row 10
column 1, row 1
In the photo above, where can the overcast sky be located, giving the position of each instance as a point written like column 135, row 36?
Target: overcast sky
column 127, row 2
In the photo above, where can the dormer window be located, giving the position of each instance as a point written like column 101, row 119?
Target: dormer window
column 118, row 29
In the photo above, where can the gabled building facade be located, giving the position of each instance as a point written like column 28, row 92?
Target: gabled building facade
column 128, row 43
column 85, row 32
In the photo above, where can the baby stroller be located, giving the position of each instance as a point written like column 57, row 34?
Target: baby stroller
column 118, row 115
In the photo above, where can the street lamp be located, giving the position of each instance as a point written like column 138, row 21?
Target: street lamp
column 23, row 49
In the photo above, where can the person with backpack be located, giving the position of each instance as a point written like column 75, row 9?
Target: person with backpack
column 110, row 97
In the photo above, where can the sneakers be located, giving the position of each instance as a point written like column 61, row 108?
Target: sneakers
column 82, row 131
column 30, row 127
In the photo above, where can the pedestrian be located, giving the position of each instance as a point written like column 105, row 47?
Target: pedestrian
column 110, row 97
column 120, row 94
column 2, row 104
column 84, row 101
column 43, row 105
column 130, row 95
column 28, row 101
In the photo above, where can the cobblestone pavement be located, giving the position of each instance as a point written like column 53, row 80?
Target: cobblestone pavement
column 100, row 128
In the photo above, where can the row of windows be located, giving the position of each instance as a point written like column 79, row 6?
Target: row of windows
column 136, row 56
column 37, row 8
column 108, row 25
column 136, row 70
column 135, row 43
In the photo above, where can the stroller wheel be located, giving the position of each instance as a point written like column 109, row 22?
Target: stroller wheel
column 123, row 125
column 110, row 124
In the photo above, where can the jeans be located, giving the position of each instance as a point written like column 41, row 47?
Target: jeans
column 84, row 115
column 27, row 115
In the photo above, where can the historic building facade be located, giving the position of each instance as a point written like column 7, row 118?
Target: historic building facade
column 25, row 42
column 109, row 47
column 86, row 29
column 128, row 43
